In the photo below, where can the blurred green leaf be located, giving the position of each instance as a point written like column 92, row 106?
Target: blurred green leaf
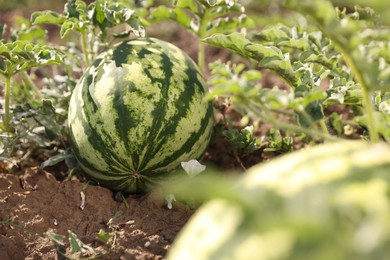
column 104, row 236
column 57, row 238
column 2, row 30
column 78, row 246
column 49, row 17
column 190, row 4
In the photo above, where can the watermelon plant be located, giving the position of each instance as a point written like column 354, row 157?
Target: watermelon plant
column 137, row 113
column 203, row 18
column 323, row 64
column 19, row 56
column 92, row 22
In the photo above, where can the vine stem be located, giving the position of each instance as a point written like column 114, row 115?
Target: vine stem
column 201, row 57
column 323, row 126
column 85, row 48
column 32, row 85
column 7, row 116
column 201, row 48
column 367, row 101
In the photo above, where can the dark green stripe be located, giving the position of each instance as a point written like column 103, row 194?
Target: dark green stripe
column 182, row 105
column 187, row 146
column 103, row 143
column 128, row 120
column 121, row 53
column 154, row 140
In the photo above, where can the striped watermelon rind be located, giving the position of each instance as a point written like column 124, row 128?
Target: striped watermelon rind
column 137, row 113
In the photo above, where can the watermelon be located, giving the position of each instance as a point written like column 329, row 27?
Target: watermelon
column 137, row 113
column 329, row 201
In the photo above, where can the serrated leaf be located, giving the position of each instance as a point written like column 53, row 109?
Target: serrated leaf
column 235, row 42
column 21, row 55
column 274, row 33
column 299, row 44
column 272, row 58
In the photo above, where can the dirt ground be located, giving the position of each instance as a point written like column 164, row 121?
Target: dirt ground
column 36, row 203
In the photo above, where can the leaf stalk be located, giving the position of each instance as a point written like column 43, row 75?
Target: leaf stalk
column 85, row 48
column 7, row 116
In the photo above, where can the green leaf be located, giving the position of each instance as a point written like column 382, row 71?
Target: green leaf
column 78, row 246
column 48, row 17
column 235, row 42
column 54, row 160
column 104, row 236
column 22, row 55
column 190, row 4
column 57, row 238
column 69, row 25
column 32, row 34
column 75, row 243
column 98, row 13
column 312, row 113
column 272, row 58
column 182, row 17
column 74, row 9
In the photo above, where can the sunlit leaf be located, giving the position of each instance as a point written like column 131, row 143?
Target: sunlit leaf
column 190, row 4
column 49, row 17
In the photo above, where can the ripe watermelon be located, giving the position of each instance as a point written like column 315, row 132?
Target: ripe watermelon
column 137, row 113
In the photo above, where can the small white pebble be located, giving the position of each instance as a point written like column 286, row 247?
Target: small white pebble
column 170, row 198
column 147, row 244
column 55, row 222
column 82, row 205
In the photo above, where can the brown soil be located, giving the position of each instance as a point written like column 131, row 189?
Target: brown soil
column 35, row 203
